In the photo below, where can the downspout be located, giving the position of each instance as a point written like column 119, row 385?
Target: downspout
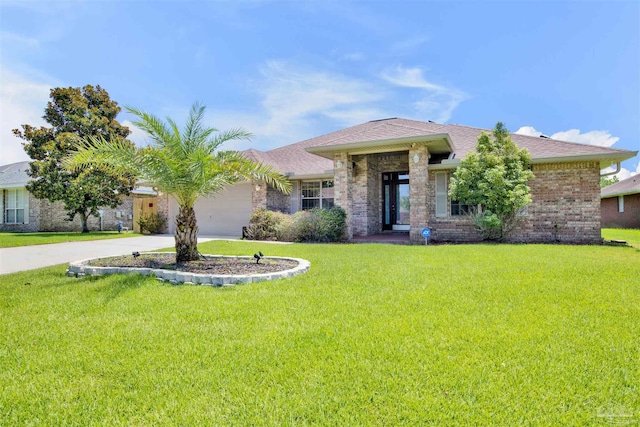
column 612, row 173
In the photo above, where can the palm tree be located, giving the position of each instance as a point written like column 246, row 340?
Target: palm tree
column 184, row 164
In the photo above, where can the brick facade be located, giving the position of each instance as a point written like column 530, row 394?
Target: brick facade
column 278, row 201
column 258, row 195
column 565, row 207
column 343, row 187
column 367, row 189
column 47, row 216
column 418, row 191
column 630, row 218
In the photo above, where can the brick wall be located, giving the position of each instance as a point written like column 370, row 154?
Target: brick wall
column 448, row 228
column 343, row 188
column 565, row 208
column 258, row 195
column 278, row 201
column 566, row 204
column 53, row 217
column 367, row 189
column 418, row 191
column 630, row 218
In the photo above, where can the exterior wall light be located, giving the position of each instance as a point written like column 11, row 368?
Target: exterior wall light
column 416, row 158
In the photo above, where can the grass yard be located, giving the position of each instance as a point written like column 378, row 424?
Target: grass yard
column 372, row 335
column 631, row 236
column 11, row 240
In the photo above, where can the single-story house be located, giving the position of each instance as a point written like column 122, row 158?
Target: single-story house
column 23, row 212
column 620, row 206
column 392, row 175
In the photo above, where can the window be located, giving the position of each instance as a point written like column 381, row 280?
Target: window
column 441, row 194
column 14, row 206
column 316, row 194
column 620, row 204
column 458, row 208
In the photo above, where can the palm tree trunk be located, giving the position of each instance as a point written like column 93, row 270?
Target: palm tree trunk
column 186, row 235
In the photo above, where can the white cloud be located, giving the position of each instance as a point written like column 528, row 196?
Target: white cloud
column 292, row 94
column 137, row 135
column 408, row 45
column 528, row 131
column 298, row 103
column 22, row 101
column 294, row 100
column 438, row 101
column 600, row 138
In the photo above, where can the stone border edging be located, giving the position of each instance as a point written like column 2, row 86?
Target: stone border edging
column 81, row 268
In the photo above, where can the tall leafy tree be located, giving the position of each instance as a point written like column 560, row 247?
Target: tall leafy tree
column 185, row 164
column 606, row 181
column 494, row 178
column 74, row 114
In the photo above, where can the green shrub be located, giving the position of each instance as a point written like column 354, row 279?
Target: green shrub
column 316, row 225
column 152, row 223
column 265, row 225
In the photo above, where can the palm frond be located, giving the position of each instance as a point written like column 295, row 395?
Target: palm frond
column 231, row 134
column 117, row 154
column 193, row 129
column 152, row 125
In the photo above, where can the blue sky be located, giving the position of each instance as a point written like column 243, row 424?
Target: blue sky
column 288, row 71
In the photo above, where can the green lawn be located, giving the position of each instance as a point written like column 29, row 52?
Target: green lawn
column 371, row 335
column 631, row 236
column 11, row 240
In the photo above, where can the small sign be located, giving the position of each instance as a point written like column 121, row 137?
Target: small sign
column 426, row 232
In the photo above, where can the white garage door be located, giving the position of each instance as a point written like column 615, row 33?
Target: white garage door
column 226, row 213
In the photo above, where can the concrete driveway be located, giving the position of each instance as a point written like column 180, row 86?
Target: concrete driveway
column 31, row 257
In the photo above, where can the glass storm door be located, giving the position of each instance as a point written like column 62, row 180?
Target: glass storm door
column 395, row 201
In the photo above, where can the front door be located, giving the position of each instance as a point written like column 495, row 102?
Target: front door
column 395, row 201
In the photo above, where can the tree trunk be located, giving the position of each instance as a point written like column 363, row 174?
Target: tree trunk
column 83, row 220
column 186, row 235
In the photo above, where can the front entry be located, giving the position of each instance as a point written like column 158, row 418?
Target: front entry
column 395, row 201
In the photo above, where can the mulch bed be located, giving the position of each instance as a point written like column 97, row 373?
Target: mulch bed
column 210, row 265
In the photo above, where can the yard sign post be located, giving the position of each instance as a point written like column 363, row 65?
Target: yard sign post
column 426, row 232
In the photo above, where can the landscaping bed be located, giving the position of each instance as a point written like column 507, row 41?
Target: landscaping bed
column 207, row 265
column 211, row 270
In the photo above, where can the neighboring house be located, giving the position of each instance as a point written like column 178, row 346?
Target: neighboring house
column 22, row 212
column 392, row 175
column 620, row 204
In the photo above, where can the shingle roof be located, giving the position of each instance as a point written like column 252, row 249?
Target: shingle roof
column 630, row 185
column 14, row 174
column 293, row 158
